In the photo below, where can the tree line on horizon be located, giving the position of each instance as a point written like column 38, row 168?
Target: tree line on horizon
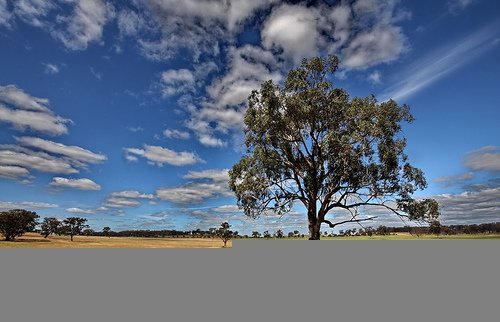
column 14, row 223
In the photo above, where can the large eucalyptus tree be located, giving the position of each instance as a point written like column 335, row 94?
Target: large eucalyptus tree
column 309, row 142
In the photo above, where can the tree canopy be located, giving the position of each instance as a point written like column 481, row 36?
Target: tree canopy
column 224, row 233
column 49, row 226
column 308, row 141
column 14, row 223
column 73, row 226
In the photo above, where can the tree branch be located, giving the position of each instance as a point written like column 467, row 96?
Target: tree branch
column 332, row 225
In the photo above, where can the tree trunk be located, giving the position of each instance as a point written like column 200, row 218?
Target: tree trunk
column 314, row 231
column 314, row 224
column 71, row 237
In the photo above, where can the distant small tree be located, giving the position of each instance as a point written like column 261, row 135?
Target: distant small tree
column 106, row 231
column 255, row 234
column 224, row 233
column 73, row 226
column 296, row 233
column 290, row 234
column 50, row 226
column 267, row 235
column 279, row 233
column 212, row 232
column 382, row 230
column 88, row 232
column 16, row 222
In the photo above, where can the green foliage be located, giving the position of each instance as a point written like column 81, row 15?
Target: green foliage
column 106, row 231
column 50, row 226
column 308, row 141
column 16, row 222
column 224, row 233
column 73, row 226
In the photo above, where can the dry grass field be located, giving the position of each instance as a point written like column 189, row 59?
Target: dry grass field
column 31, row 240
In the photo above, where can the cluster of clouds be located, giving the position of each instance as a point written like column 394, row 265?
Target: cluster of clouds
column 25, row 112
column 75, row 23
column 157, row 155
column 364, row 32
column 200, row 186
column 480, row 199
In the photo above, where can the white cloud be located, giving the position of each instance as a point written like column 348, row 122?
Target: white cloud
column 341, row 17
column 11, row 155
column 126, row 199
column 176, row 134
column 249, row 67
column 294, row 29
column 193, row 25
column 135, row 129
column 375, row 77
column 50, row 69
column 81, row 211
column 451, row 180
column 6, row 205
column 240, row 10
column 456, row 6
column 13, row 172
column 211, row 141
column 177, row 81
column 470, row 206
column 81, row 184
column 29, row 112
column 36, row 121
column 132, row 194
column 85, row 25
column 121, row 202
column 75, row 153
column 192, row 193
column 209, row 184
column 33, row 12
column 379, row 45
column 11, row 94
column 131, row 158
column 130, row 23
column 5, row 15
column 485, row 159
column 160, row 155
column 95, row 73
column 217, row 175
column 228, row 209
column 442, row 61
column 199, row 26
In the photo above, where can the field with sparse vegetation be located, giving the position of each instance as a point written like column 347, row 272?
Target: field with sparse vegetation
column 32, row 240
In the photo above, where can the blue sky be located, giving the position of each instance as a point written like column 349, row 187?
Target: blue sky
column 129, row 113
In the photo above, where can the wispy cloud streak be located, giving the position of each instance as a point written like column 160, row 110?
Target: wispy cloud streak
column 441, row 62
